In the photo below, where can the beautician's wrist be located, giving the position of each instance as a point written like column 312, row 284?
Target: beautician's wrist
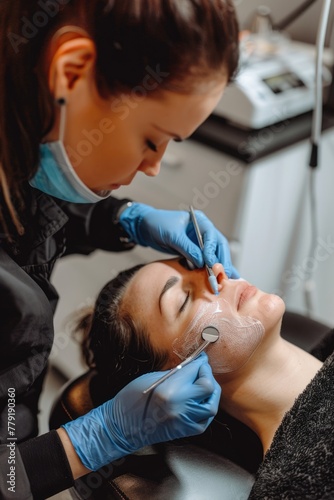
column 121, row 210
column 131, row 218
column 125, row 237
column 77, row 467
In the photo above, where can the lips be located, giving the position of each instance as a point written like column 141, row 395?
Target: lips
column 247, row 292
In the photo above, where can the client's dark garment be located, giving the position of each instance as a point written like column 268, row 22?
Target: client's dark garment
column 300, row 461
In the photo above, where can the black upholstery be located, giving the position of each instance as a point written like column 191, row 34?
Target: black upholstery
column 178, row 470
column 303, row 331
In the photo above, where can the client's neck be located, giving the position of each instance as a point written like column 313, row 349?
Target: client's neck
column 266, row 388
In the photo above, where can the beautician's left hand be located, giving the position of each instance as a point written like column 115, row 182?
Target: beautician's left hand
column 173, row 232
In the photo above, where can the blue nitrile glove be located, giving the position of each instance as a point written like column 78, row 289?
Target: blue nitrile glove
column 184, row 405
column 173, row 232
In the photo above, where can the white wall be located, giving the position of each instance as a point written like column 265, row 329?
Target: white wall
column 304, row 29
column 276, row 230
column 322, row 261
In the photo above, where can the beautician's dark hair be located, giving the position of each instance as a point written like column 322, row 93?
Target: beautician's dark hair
column 173, row 42
column 114, row 342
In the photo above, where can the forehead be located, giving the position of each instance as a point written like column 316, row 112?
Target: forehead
column 154, row 272
column 189, row 109
column 147, row 283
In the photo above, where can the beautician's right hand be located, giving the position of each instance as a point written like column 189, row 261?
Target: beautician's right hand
column 184, row 405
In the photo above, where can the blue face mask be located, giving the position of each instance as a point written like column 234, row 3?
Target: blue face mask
column 57, row 177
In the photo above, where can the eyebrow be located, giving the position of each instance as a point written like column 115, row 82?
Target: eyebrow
column 175, row 136
column 169, row 284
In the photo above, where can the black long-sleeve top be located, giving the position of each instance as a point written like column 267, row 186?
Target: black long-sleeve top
column 27, row 303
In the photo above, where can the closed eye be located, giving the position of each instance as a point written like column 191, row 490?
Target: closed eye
column 184, row 303
column 151, row 146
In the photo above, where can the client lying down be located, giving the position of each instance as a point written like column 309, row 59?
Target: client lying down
column 151, row 317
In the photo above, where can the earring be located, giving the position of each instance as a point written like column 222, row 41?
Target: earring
column 61, row 101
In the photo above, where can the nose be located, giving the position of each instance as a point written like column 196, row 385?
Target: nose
column 203, row 284
column 150, row 168
column 219, row 272
column 151, row 164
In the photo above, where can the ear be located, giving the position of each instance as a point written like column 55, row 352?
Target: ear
column 73, row 61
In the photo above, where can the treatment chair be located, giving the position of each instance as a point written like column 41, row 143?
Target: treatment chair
column 218, row 465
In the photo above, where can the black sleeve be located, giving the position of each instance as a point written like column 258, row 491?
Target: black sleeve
column 92, row 226
column 26, row 329
column 46, row 465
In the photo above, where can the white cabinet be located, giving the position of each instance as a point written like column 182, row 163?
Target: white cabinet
column 321, row 261
column 275, row 231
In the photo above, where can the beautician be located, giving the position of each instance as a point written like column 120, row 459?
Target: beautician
column 91, row 92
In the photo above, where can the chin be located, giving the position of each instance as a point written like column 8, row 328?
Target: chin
column 271, row 308
column 266, row 307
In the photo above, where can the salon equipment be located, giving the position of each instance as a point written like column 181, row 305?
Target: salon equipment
column 209, row 335
column 309, row 285
column 317, row 116
column 119, row 426
column 212, row 277
column 274, row 87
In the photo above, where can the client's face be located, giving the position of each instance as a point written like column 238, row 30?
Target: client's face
column 175, row 305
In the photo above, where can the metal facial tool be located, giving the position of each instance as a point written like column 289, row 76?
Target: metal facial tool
column 210, row 334
column 212, row 277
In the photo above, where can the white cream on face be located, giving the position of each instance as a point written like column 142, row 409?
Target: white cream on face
column 239, row 336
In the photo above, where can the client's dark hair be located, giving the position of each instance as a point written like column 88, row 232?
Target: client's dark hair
column 115, row 343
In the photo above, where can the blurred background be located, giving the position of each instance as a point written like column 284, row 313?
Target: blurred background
column 247, row 168
column 303, row 29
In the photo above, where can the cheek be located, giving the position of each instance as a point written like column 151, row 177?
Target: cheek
column 237, row 343
column 239, row 337
column 114, row 166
